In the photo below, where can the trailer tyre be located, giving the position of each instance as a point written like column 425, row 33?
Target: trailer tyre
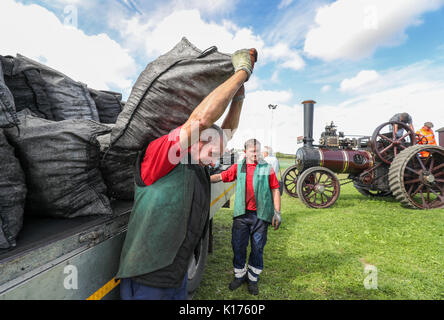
column 197, row 265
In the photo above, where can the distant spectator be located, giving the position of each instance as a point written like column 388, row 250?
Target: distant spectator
column 269, row 157
column 274, row 163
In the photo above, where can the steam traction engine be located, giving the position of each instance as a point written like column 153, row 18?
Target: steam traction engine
column 389, row 163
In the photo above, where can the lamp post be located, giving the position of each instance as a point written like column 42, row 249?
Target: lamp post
column 272, row 108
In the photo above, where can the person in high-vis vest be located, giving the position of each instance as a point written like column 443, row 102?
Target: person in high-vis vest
column 171, row 207
column 426, row 136
column 257, row 205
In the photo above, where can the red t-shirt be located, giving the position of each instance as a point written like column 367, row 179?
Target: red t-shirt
column 162, row 156
column 231, row 175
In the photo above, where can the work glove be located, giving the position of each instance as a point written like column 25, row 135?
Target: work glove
column 244, row 60
column 276, row 222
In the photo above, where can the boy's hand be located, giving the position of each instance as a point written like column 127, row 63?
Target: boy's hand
column 216, row 178
column 276, row 222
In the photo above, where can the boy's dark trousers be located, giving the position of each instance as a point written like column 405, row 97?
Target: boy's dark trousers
column 245, row 228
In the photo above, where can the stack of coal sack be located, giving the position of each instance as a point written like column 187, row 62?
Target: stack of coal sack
column 66, row 150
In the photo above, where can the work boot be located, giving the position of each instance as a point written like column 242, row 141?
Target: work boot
column 244, row 60
column 236, row 283
column 253, row 288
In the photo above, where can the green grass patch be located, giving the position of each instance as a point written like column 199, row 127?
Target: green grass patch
column 321, row 254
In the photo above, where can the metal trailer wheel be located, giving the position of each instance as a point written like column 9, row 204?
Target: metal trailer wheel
column 418, row 182
column 372, row 193
column 318, row 187
column 290, row 179
column 197, row 264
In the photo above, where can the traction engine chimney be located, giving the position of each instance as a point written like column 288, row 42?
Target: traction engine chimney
column 308, row 122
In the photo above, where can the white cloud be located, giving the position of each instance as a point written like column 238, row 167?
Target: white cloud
column 371, row 81
column 363, row 78
column 208, row 6
column 281, row 52
column 256, row 120
column 254, row 83
column 326, row 88
column 356, row 116
column 159, row 37
column 353, row 29
column 417, row 89
column 284, row 4
column 71, row 2
column 363, row 114
column 291, row 25
column 96, row 60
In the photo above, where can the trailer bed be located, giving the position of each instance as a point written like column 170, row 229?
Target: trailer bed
column 43, row 243
column 38, row 232
column 74, row 259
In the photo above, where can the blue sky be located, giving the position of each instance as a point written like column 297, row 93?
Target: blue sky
column 361, row 60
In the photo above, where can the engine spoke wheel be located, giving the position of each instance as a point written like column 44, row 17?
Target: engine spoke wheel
column 421, row 139
column 318, row 187
column 435, row 169
column 415, row 180
column 387, row 148
column 385, row 138
column 290, row 179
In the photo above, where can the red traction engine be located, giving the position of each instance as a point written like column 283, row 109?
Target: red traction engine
column 386, row 164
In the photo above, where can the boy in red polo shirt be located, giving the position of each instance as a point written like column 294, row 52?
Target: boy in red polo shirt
column 252, row 218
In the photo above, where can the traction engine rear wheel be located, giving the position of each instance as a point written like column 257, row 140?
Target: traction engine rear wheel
column 318, row 187
column 418, row 182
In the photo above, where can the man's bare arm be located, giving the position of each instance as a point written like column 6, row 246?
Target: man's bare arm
column 231, row 121
column 395, row 129
column 211, row 109
column 276, row 221
column 276, row 199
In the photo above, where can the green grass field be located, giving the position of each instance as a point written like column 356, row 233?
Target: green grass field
column 322, row 254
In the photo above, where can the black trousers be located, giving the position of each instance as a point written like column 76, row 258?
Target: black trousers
column 248, row 228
